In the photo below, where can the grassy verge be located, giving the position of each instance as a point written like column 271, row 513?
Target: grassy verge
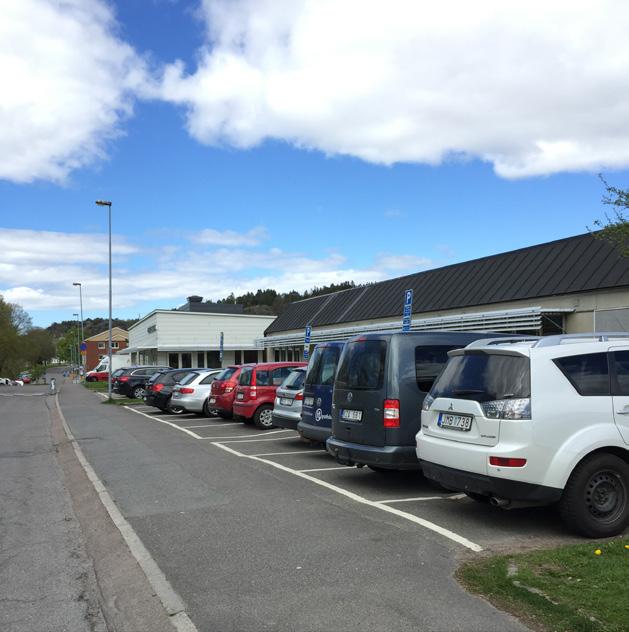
column 569, row 589
column 122, row 401
column 100, row 387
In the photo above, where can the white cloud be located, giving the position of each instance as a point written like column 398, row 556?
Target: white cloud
column 37, row 269
column 67, row 81
column 530, row 86
column 213, row 237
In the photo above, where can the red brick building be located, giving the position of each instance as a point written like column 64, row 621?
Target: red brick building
column 97, row 345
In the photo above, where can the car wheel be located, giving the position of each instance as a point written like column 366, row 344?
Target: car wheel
column 263, row 417
column 174, row 409
column 207, row 411
column 479, row 498
column 595, row 502
column 138, row 392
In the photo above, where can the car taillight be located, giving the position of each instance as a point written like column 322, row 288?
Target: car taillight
column 156, row 388
column 186, row 389
column 502, row 461
column 123, row 378
column 299, row 397
column 253, row 393
column 391, row 414
column 508, row 408
column 228, row 388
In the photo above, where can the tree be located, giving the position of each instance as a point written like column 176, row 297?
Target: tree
column 615, row 227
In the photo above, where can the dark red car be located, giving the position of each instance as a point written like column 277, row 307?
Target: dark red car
column 255, row 394
column 223, row 391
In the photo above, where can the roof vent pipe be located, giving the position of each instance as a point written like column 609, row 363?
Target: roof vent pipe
column 195, row 299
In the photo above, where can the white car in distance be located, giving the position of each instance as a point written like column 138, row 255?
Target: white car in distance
column 535, row 422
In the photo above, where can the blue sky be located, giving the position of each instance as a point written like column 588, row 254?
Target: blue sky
column 234, row 169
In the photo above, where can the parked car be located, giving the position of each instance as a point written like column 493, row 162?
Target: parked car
column 223, row 391
column 380, row 385
column 256, row 391
column 316, row 416
column 536, row 423
column 192, row 393
column 132, row 381
column 25, row 378
column 5, row 381
column 97, row 376
column 159, row 388
column 288, row 400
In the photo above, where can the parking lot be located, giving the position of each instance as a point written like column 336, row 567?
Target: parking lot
column 462, row 524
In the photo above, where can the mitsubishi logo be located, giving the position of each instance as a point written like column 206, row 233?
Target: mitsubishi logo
column 451, row 407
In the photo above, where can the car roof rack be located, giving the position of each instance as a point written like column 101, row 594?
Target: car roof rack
column 487, row 342
column 608, row 336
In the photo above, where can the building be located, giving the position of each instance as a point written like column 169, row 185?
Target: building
column 96, row 346
column 190, row 336
column 570, row 285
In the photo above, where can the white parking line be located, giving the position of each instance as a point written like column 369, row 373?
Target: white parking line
column 325, row 469
column 411, row 500
column 283, row 453
column 235, row 437
column 163, row 421
column 212, row 425
column 451, row 535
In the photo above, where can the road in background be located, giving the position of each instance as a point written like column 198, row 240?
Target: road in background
column 249, row 547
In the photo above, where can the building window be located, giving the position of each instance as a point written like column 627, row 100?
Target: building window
column 289, row 355
column 277, row 355
column 186, row 360
column 264, row 356
column 173, row 360
column 102, row 345
column 213, row 359
column 200, row 359
column 238, row 357
column 251, row 356
column 115, row 345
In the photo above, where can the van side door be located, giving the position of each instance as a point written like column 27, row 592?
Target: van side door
column 619, row 366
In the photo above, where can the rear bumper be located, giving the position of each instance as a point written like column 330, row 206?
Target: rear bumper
column 245, row 409
column 289, row 423
column 460, row 480
column 224, row 403
column 193, row 405
column 394, row 457
column 156, row 399
column 315, row 433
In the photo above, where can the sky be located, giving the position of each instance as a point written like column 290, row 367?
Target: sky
column 289, row 144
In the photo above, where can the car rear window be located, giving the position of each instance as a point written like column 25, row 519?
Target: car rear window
column 245, row 376
column 429, row 362
column 362, row 366
column 225, row 374
column 323, row 369
column 186, row 379
column 208, row 379
column 588, row 373
column 294, row 381
column 484, row 377
column 263, row 378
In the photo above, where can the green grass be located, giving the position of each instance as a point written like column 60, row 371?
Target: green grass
column 122, row 401
column 567, row 589
column 101, row 387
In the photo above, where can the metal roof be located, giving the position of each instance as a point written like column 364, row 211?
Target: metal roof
column 566, row 266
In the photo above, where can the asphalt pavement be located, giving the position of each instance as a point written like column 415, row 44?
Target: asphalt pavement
column 251, row 547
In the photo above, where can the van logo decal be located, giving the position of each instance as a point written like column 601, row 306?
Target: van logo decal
column 451, row 407
column 318, row 401
column 350, row 396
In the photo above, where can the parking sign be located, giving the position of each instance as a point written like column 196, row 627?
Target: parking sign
column 307, row 342
column 408, row 310
column 220, row 348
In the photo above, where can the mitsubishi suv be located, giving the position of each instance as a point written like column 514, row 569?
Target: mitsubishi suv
column 535, row 422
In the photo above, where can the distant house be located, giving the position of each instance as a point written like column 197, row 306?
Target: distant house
column 190, row 336
column 97, row 345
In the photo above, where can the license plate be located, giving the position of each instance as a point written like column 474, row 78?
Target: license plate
column 240, row 396
column 212, row 400
column 351, row 415
column 309, row 401
column 454, row 422
column 286, row 401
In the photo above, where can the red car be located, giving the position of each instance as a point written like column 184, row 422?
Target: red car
column 96, row 376
column 255, row 394
column 223, row 391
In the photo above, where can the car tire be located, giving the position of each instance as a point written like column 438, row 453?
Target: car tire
column 138, row 392
column 595, row 501
column 263, row 417
column 207, row 411
column 478, row 498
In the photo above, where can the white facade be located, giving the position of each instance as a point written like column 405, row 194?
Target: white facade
column 181, row 338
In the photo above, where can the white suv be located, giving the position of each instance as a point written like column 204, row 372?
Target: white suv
column 527, row 422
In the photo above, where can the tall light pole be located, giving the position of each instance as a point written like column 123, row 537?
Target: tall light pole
column 81, row 303
column 108, row 204
column 78, row 344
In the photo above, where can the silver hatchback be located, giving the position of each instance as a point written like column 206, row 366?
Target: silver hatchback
column 192, row 393
column 289, row 398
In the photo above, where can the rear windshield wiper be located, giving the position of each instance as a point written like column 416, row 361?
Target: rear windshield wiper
column 468, row 391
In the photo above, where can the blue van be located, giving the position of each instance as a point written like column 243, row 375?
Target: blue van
column 316, row 411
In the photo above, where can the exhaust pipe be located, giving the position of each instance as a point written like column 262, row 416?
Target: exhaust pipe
column 503, row 503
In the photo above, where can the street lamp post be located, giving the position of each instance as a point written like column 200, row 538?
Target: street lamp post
column 78, row 344
column 108, row 204
column 81, row 303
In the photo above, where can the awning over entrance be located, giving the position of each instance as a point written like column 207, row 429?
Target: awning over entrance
column 529, row 320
